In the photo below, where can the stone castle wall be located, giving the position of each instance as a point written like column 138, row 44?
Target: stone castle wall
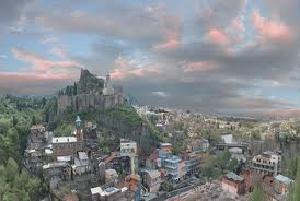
column 85, row 101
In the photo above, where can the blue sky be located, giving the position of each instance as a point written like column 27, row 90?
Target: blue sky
column 233, row 56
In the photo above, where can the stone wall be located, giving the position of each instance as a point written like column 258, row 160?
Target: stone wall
column 85, row 101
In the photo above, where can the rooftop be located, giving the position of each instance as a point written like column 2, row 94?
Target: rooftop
column 173, row 159
column 165, row 144
column 284, row 179
column 37, row 127
column 63, row 158
column 104, row 192
column 82, row 156
column 234, row 177
column 54, row 165
column 153, row 173
column 64, row 139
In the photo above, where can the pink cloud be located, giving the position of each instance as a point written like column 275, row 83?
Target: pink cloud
column 172, row 33
column 271, row 29
column 171, row 43
column 41, row 68
column 39, row 63
column 125, row 68
column 32, row 76
column 218, row 36
column 200, row 66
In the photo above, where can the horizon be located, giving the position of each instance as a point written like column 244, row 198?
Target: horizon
column 237, row 57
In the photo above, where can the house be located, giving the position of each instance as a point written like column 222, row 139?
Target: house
column 166, row 147
column 151, row 179
column 55, row 172
column 152, row 160
column 81, row 164
column 233, row 183
column 37, row 134
column 268, row 162
column 282, row 184
column 65, row 146
column 33, row 160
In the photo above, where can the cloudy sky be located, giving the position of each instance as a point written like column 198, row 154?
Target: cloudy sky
column 217, row 56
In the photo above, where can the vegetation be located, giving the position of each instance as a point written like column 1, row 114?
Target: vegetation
column 17, row 114
column 258, row 194
column 294, row 194
column 17, row 185
column 291, row 167
column 220, row 164
column 167, row 186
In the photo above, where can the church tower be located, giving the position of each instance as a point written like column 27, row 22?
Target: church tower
column 79, row 134
column 108, row 89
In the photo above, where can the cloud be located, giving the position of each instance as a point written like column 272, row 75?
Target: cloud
column 218, row 37
column 142, row 24
column 40, row 64
column 270, row 29
column 199, row 66
column 160, row 94
column 125, row 68
column 11, row 11
column 41, row 68
column 210, row 56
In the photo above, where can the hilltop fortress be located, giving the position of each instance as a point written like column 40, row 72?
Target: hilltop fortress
column 90, row 92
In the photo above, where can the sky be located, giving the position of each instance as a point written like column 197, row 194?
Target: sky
column 212, row 56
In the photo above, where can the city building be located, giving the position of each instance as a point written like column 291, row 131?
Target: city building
column 81, row 164
column 55, row 172
column 37, row 134
column 175, row 167
column 151, row 179
column 64, row 146
column 197, row 145
column 267, row 163
column 233, row 183
column 129, row 148
column 166, row 147
column 192, row 163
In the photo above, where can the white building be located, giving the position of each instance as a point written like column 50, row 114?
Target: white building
column 128, row 147
column 268, row 162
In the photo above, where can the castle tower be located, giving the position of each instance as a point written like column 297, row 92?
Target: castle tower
column 108, row 89
column 79, row 134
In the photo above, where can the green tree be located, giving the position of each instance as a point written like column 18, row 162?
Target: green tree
column 75, row 89
column 223, row 160
column 294, row 194
column 258, row 194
